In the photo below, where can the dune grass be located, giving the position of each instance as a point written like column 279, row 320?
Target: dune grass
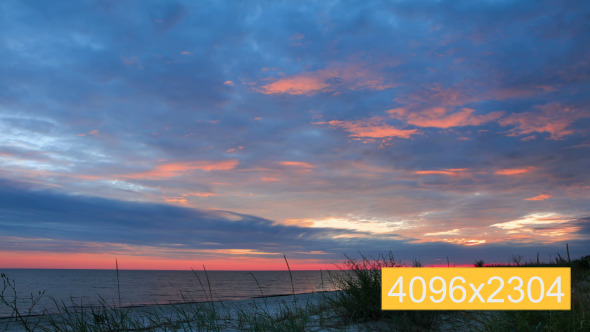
column 360, row 300
column 356, row 307
column 576, row 319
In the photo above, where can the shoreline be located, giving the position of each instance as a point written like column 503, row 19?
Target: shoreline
column 228, row 312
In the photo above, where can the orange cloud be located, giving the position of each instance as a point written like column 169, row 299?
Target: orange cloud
column 297, row 85
column 176, row 169
column 297, row 164
column 268, row 179
column 352, row 77
column 449, row 171
column 229, row 83
column 180, row 200
column 515, row 171
column 371, row 128
column 552, row 118
column 438, row 117
column 200, row 194
column 541, row 197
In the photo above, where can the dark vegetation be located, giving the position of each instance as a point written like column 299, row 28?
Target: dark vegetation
column 357, row 306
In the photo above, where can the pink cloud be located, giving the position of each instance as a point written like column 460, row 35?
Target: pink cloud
column 199, row 194
column 297, row 164
column 234, row 149
column 552, row 118
column 515, row 171
column 528, row 138
column 461, row 94
column 371, row 128
column 352, row 77
column 168, row 170
column 297, row 85
column 448, row 171
column 180, row 200
column 269, row 179
column 439, row 117
column 541, row 197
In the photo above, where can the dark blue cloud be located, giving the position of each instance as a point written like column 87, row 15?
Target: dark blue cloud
column 44, row 213
column 46, row 220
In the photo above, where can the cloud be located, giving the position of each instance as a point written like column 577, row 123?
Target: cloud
column 545, row 227
column 451, row 172
column 335, row 77
column 455, row 231
column 371, row 128
column 200, row 194
column 553, row 118
column 168, row 170
column 92, row 132
column 180, row 200
column 362, row 226
column 269, row 179
column 533, row 219
column 167, row 16
column 90, row 225
column 438, row 117
column 297, row 164
column 474, row 85
column 465, row 242
column 297, row 85
column 92, row 219
column 541, row 197
column 515, row 171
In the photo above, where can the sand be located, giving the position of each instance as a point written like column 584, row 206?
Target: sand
column 231, row 315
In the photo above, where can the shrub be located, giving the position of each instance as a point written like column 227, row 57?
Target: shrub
column 360, row 298
column 360, row 280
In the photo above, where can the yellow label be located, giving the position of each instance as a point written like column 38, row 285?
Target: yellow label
column 482, row 288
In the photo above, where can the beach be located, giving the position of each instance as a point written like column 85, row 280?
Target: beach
column 231, row 315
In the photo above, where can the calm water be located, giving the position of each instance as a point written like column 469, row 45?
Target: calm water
column 75, row 287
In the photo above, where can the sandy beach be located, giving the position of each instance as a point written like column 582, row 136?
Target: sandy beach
column 229, row 315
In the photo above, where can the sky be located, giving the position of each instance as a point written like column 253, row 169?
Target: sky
column 172, row 135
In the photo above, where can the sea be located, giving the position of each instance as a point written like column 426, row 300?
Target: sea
column 76, row 288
